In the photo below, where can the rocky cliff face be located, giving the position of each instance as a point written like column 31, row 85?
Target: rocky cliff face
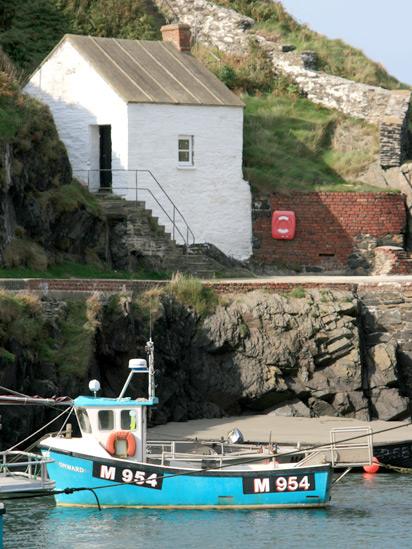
column 305, row 354
column 44, row 215
column 291, row 355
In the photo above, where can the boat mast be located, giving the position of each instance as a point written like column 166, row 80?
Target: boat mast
column 151, row 381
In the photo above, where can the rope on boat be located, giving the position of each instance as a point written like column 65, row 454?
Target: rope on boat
column 67, row 411
column 402, row 470
column 16, row 393
column 47, row 493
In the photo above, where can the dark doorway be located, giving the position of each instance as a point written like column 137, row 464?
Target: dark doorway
column 105, row 135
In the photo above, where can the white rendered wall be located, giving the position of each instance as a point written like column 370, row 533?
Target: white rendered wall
column 212, row 196
column 80, row 99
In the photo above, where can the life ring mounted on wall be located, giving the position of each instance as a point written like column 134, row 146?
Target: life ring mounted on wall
column 121, row 435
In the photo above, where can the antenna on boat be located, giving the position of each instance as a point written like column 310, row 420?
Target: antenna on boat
column 139, row 366
column 136, row 366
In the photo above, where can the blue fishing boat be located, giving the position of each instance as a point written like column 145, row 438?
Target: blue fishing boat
column 113, row 465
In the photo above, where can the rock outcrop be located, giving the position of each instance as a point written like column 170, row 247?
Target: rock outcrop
column 306, row 353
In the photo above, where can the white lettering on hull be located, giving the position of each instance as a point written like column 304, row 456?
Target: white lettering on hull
column 73, row 468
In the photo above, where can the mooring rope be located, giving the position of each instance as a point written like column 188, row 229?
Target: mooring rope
column 67, row 411
column 402, row 470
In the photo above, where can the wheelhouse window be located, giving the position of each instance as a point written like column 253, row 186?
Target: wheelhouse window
column 186, row 150
column 106, row 420
column 83, row 420
column 128, row 420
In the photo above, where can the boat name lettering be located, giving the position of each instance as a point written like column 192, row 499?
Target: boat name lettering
column 276, row 483
column 74, row 468
column 128, row 475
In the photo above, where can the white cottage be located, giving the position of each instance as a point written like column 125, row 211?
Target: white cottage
column 146, row 119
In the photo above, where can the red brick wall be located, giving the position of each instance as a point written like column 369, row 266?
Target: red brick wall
column 327, row 224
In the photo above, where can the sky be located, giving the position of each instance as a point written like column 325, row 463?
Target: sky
column 381, row 28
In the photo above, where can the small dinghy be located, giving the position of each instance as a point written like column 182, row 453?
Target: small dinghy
column 113, row 465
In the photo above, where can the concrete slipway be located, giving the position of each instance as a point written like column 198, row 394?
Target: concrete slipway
column 286, row 430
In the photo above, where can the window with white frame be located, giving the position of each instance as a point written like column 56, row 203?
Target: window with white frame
column 185, row 150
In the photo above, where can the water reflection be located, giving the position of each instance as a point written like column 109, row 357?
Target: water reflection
column 364, row 512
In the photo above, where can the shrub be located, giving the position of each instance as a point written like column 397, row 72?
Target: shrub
column 297, row 292
column 190, row 292
column 21, row 252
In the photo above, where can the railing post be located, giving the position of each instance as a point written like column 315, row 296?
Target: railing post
column 174, row 221
column 43, row 473
column 88, row 180
column 136, row 183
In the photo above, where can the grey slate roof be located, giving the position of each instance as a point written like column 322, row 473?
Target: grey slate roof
column 143, row 71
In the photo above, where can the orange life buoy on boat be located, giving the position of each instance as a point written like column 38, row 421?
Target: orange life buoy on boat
column 121, row 435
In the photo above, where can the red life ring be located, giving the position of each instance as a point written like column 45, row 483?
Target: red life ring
column 121, row 435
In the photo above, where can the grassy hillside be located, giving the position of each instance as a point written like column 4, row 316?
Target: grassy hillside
column 29, row 29
column 335, row 56
column 289, row 142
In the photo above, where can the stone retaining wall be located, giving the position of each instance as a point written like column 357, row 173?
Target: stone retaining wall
column 335, row 230
column 82, row 287
column 231, row 32
column 73, row 286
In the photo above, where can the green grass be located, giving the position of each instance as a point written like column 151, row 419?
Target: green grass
column 69, row 198
column 19, row 323
column 189, row 291
column 30, row 29
column 80, row 270
column 12, row 111
column 335, row 56
column 76, row 344
column 292, row 144
column 297, row 293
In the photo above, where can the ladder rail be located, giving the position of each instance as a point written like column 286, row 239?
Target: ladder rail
column 175, row 216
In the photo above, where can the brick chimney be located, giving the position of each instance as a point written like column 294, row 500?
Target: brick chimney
column 179, row 34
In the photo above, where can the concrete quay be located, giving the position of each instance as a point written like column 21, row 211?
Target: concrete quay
column 282, row 430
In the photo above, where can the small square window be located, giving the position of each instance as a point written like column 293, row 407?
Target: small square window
column 128, row 420
column 106, row 420
column 185, row 150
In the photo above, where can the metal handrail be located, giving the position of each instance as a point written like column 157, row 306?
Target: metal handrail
column 33, row 461
column 177, row 215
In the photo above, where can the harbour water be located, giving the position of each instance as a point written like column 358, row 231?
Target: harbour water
column 366, row 511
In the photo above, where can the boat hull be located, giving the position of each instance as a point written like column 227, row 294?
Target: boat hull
column 397, row 454
column 120, row 483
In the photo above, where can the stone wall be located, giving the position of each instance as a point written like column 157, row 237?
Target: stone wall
column 231, row 32
column 335, row 230
column 392, row 131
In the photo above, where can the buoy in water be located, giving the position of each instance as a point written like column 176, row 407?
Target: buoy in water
column 373, row 467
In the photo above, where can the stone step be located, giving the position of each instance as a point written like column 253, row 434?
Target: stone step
column 145, row 234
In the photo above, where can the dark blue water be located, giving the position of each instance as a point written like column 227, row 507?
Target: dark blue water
column 364, row 512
